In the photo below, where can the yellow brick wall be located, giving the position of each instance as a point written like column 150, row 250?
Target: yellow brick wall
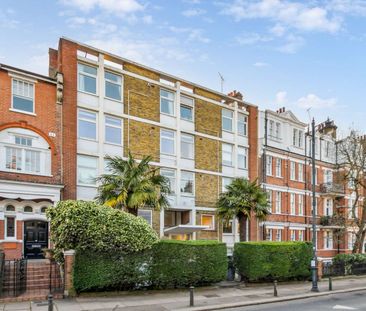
column 207, row 94
column 207, row 118
column 144, row 100
column 206, row 189
column 207, row 154
column 144, row 139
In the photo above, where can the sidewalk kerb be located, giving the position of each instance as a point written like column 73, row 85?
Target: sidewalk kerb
column 269, row 300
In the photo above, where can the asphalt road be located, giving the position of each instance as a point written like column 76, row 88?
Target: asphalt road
column 345, row 301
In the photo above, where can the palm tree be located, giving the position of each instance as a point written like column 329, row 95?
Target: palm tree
column 132, row 185
column 241, row 199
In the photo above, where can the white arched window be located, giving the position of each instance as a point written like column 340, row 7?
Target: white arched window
column 24, row 151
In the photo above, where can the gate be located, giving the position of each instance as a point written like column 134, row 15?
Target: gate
column 31, row 279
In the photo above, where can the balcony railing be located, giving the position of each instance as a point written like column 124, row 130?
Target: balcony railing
column 333, row 188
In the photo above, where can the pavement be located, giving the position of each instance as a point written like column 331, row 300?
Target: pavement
column 223, row 296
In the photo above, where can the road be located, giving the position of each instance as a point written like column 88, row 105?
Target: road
column 346, row 301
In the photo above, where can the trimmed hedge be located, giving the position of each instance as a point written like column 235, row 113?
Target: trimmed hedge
column 168, row 264
column 273, row 260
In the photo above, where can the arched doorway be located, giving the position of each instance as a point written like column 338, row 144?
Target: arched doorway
column 35, row 238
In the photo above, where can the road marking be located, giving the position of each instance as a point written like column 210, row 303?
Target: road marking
column 339, row 307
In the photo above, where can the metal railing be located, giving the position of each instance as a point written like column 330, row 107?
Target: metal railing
column 332, row 188
column 342, row 269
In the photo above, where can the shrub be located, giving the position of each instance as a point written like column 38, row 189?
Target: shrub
column 273, row 260
column 85, row 225
column 168, row 264
column 349, row 259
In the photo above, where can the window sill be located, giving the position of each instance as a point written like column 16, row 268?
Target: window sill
column 227, row 131
column 113, row 144
column 167, row 114
column 114, row 100
column 25, row 173
column 24, row 112
column 87, row 93
column 167, row 154
column 190, row 121
column 186, row 158
column 88, row 139
column 228, row 165
column 187, row 195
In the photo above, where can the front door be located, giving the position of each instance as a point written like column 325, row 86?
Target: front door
column 35, row 238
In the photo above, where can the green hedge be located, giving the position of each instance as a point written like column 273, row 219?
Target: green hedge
column 169, row 264
column 349, row 259
column 273, row 260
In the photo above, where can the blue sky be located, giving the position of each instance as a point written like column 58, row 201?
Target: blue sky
column 297, row 54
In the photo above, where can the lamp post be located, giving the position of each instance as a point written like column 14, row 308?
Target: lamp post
column 314, row 262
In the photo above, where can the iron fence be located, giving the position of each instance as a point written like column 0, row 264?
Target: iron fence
column 342, row 269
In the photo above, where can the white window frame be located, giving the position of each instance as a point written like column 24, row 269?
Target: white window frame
column 242, row 152
column 33, row 112
column 243, row 120
column 278, row 167
column 224, row 184
column 300, row 138
column 6, row 227
column 87, row 120
column 270, row 199
column 231, row 164
column 173, row 188
column 328, row 239
column 229, row 118
column 278, row 235
column 269, row 234
column 113, row 82
column 120, row 127
column 300, row 235
column 292, row 204
column 292, row 170
column 278, row 130
column 78, row 166
column 184, row 140
column 278, row 202
column 269, row 168
column 300, row 198
column 328, row 208
column 89, row 75
column 292, row 235
column 193, row 184
column 351, row 240
column 271, row 128
column 145, row 211
column 300, row 175
column 294, row 137
column 213, row 226
column 185, row 103
column 162, row 137
column 168, row 99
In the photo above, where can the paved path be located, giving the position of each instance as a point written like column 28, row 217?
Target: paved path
column 209, row 298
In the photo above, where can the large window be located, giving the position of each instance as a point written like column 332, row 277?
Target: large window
column 292, row 204
column 87, row 79
column 187, row 183
column 278, row 202
column 278, row 167
column 301, row 235
column 271, row 128
column 269, row 234
column 21, row 157
column 186, row 108
column 87, row 169
column 227, row 120
column 227, row 154
column 166, row 102
column 301, row 204
column 167, row 142
column 208, row 221
column 351, row 240
column 294, row 137
column 23, row 96
column 278, row 130
column 328, row 208
column 279, row 235
column 328, row 240
column 292, row 170
column 113, row 85
column 269, row 165
column 187, row 146
column 270, row 199
column 242, row 158
column 242, row 124
column 113, row 130
column 87, row 124
column 300, row 174
column 328, row 176
column 170, row 175
column 293, row 235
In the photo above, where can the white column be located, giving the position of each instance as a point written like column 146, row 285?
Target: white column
column 101, row 128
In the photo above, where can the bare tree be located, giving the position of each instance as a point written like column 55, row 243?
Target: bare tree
column 352, row 164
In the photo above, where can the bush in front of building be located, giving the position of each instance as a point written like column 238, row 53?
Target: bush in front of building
column 349, row 259
column 267, row 261
column 84, row 225
column 168, row 264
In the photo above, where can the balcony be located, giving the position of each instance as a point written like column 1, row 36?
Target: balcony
column 331, row 188
column 336, row 221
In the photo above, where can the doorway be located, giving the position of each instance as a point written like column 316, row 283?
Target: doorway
column 35, row 238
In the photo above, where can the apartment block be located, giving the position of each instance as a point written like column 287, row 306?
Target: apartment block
column 199, row 138
column 30, row 159
column 286, row 174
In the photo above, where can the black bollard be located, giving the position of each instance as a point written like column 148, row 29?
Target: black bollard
column 191, row 296
column 275, row 288
column 50, row 302
column 330, row 284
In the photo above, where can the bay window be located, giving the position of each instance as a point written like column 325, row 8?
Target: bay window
column 167, row 142
column 23, row 96
column 167, row 102
column 87, row 78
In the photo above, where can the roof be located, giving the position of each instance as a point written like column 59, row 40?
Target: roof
column 27, row 73
column 164, row 74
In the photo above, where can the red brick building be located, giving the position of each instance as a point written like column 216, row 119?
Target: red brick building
column 30, row 159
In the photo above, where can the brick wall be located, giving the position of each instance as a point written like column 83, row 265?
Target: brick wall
column 207, row 154
column 206, row 189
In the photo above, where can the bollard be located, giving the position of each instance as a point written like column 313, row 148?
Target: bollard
column 275, row 288
column 50, row 303
column 191, row 296
column 330, row 284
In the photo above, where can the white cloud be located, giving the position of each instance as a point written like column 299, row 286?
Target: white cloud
column 292, row 44
column 315, row 102
column 112, row 6
column 353, row 7
column 302, row 16
column 260, row 64
column 278, row 30
column 6, row 20
column 193, row 12
column 252, row 38
column 99, row 28
column 281, row 98
column 147, row 19
column 192, row 34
